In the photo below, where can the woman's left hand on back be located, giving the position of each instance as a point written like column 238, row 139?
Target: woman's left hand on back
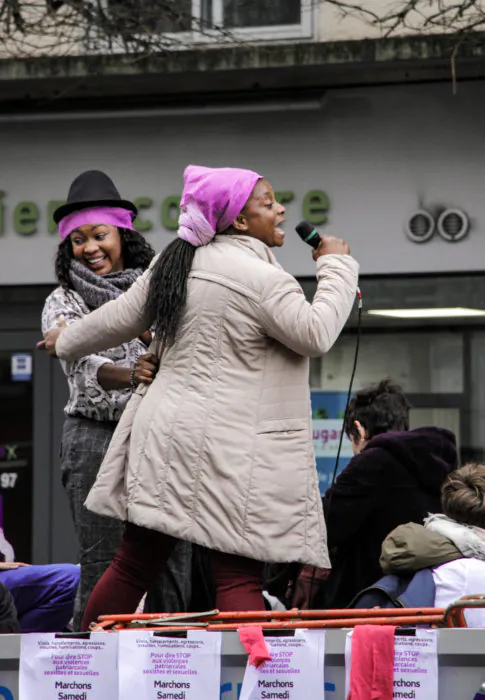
column 50, row 338
column 146, row 368
column 146, row 338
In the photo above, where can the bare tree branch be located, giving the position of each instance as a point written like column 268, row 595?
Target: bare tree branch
column 360, row 9
column 138, row 27
column 460, row 17
column 144, row 27
column 462, row 20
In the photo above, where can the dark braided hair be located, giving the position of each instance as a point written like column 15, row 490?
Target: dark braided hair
column 135, row 249
column 167, row 293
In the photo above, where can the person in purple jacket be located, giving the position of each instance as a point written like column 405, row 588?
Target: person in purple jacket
column 395, row 477
column 43, row 595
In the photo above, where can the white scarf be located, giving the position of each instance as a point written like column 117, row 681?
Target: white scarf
column 469, row 539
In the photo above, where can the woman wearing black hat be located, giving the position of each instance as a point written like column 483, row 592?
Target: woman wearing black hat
column 99, row 258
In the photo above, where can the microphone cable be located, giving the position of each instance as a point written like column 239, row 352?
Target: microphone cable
column 310, row 235
column 360, row 305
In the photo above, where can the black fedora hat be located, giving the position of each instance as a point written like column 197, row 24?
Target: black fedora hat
column 92, row 188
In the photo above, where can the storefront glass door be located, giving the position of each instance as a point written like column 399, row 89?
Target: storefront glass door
column 16, row 448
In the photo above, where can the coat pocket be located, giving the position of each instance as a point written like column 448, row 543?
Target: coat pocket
column 278, row 489
column 282, row 425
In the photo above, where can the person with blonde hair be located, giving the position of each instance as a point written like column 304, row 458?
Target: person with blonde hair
column 462, row 522
column 451, row 544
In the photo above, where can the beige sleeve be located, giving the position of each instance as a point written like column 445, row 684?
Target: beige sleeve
column 310, row 329
column 112, row 324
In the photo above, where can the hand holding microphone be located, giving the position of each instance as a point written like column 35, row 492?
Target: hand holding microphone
column 326, row 245
column 329, row 245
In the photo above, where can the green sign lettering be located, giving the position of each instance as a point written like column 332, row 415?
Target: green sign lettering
column 284, row 197
column 51, row 207
column 25, row 215
column 315, row 207
column 142, row 225
column 171, row 212
column 25, row 218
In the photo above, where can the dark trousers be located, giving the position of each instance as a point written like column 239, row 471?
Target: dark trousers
column 141, row 557
column 43, row 595
column 84, row 445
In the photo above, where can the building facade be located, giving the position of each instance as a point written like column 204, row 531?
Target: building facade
column 364, row 139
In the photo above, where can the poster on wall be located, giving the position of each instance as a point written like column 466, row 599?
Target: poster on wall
column 327, row 422
column 415, row 673
column 158, row 665
column 61, row 667
column 296, row 669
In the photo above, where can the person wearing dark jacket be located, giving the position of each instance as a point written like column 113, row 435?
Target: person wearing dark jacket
column 395, row 477
column 9, row 623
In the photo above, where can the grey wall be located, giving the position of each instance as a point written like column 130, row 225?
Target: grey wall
column 379, row 153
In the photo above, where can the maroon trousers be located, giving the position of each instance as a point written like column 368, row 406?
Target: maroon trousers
column 142, row 555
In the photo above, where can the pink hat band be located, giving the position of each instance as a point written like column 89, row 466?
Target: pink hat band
column 112, row 216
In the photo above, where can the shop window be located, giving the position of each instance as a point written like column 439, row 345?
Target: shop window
column 421, row 362
column 151, row 16
column 476, row 408
column 204, row 19
column 264, row 19
column 435, row 351
column 260, row 13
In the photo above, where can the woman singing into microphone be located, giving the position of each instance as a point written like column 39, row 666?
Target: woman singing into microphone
column 218, row 449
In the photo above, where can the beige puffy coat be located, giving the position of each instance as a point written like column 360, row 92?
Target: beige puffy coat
column 218, row 450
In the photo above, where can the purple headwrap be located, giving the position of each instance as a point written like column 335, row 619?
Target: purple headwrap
column 211, row 200
column 113, row 216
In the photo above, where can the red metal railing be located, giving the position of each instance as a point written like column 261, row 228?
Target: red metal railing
column 214, row 620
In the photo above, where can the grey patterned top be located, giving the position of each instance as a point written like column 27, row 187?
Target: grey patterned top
column 87, row 397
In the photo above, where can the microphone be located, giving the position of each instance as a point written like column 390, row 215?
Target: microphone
column 310, row 235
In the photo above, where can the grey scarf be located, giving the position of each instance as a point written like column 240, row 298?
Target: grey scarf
column 95, row 289
column 469, row 539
